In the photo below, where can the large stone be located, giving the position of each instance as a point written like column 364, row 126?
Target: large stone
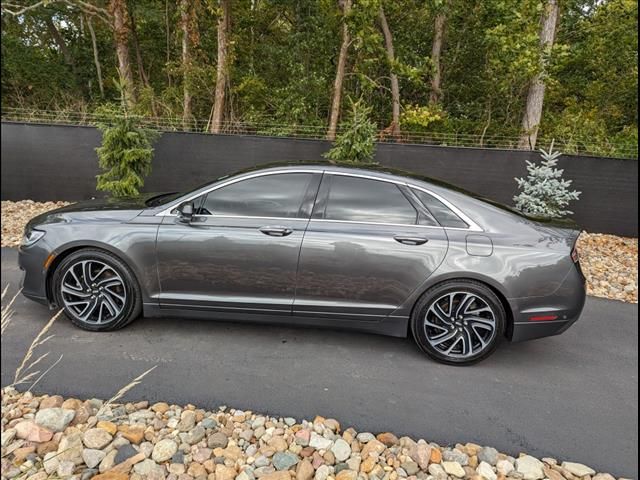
column 284, row 460
column 387, row 438
column 374, row 446
column 530, row 467
column 107, row 426
column 456, row 455
column 145, row 467
column 453, row 468
column 283, row 475
column 197, row 434
column 111, row 476
column 578, row 469
column 486, row 471
column 54, row 419
column 489, row 455
column 92, row 458
column 70, row 448
column 346, row 474
column 133, row 433
column 321, row 473
column 53, row 401
column 65, row 469
column 31, row 432
column 319, row 442
column 421, row 454
column 50, row 462
column 7, row 436
column 305, row 470
column 505, row 467
column 187, row 421
column 164, row 450
column 224, row 472
column 125, row 452
column 96, row 438
column 217, row 440
column 341, row 450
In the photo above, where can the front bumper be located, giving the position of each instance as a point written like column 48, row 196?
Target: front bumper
column 565, row 304
column 31, row 261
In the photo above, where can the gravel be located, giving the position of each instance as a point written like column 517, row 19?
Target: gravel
column 274, row 455
column 609, row 262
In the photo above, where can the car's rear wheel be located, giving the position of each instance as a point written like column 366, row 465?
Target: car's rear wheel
column 458, row 322
column 97, row 290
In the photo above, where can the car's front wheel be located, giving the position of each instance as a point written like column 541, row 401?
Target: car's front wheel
column 458, row 322
column 97, row 290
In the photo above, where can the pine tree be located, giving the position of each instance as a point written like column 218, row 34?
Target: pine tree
column 544, row 193
column 356, row 141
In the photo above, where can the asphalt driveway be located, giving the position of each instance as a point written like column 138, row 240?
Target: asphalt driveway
column 574, row 396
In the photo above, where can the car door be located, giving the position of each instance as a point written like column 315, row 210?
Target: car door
column 240, row 250
column 367, row 247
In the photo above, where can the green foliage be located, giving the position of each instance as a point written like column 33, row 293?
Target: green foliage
column 544, row 192
column 355, row 144
column 125, row 154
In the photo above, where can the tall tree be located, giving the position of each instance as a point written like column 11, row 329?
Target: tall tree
column 395, row 85
column 62, row 45
column 535, row 97
column 224, row 26
column 120, row 18
column 436, row 50
column 345, row 6
column 96, row 57
column 187, row 17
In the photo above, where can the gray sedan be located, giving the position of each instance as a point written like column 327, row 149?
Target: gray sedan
column 318, row 245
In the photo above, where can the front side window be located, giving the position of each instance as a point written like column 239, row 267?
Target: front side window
column 278, row 195
column 443, row 214
column 363, row 200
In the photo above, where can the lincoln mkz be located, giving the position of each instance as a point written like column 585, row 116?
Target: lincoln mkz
column 373, row 250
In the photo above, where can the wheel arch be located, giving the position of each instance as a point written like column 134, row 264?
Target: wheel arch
column 486, row 281
column 73, row 247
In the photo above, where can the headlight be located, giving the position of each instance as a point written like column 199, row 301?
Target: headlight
column 31, row 236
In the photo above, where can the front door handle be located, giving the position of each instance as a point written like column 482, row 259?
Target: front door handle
column 410, row 239
column 276, row 231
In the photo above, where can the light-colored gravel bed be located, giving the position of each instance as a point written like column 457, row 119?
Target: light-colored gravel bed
column 50, row 437
column 610, row 263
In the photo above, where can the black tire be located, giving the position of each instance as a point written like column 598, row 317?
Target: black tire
column 451, row 291
column 130, row 308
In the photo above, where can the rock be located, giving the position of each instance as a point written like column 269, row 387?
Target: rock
column 284, row 475
column 50, row 462
column 373, row 446
column 577, row 469
column 65, row 468
column 20, row 454
column 456, row 455
column 88, row 473
column 368, row 464
column 201, row 454
column 302, row 437
column 209, row 423
column 96, row 438
column 92, row 458
column 164, row 450
column 305, row 470
column 436, row 456
column 217, row 440
column 54, row 419
column 437, row 471
column 489, row 455
column 453, row 468
column 38, row 476
column 365, row 437
column 341, row 450
column 486, row 471
column 284, row 460
column 322, row 473
column 133, row 433
column 160, row 407
column 128, row 463
column 145, row 467
column 387, row 438
column 124, row 453
column 197, row 470
column 111, row 476
column 530, row 467
column 108, row 427
column 225, row 473
column 197, row 434
column 318, row 442
column 70, row 448
column 46, row 447
column 603, row 476
column 108, row 462
column 31, row 432
column 7, row 436
column 552, row 474
column 347, row 475
column 187, row 421
column 505, row 467
column 410, row 467
column 421, row 454
column 54, row 401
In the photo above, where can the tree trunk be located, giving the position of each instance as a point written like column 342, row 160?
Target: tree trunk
column 185, row 20
column 221, row 71
column 57, row 38
column 96, row 58
column 337, row 84
column 395, row 86
column 118, row 9
column 436, row 50
column 535, row 97
column 168, row 38
column 144, row 79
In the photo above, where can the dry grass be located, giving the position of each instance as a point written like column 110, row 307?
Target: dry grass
column 7, row 310
column 123, row 391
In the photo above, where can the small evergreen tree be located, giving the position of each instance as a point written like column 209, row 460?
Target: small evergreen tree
column 355, row 144
column 125, row 154
column 544, row 193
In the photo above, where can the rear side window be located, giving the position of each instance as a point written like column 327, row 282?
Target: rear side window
column 443, row 214
column 278, row 195
column 363, row 200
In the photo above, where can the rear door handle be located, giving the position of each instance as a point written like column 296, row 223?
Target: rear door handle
column 276, row 231
column 410, row 239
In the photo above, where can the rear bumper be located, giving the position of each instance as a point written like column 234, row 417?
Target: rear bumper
column 538, row 317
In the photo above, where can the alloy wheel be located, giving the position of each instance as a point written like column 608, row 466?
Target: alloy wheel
column 459, row 324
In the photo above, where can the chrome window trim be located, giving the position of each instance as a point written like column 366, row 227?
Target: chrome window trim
column 473, row 227
column 438, row 227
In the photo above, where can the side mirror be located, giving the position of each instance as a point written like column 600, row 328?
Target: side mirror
column 185, row 212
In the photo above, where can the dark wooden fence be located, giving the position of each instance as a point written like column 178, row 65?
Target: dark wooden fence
column 55, row 162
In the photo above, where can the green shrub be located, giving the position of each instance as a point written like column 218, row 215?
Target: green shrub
column 355, row 142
